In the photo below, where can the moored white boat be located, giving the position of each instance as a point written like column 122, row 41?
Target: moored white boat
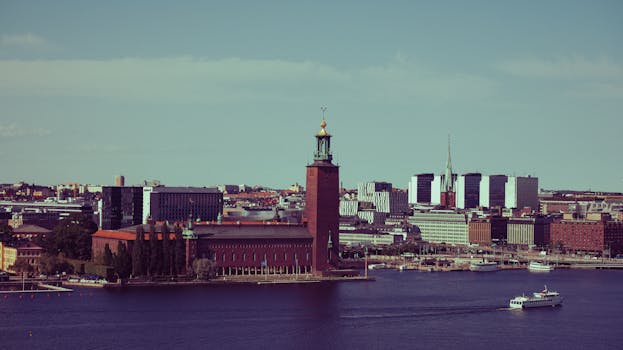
column 538, row 299
column 536, row 266
column 376, row 266
column 483, row 266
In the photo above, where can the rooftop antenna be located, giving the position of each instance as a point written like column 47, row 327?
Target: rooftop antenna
column 324, row 110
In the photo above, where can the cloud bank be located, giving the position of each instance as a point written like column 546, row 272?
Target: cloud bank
column 184, row 79
column 13, row 130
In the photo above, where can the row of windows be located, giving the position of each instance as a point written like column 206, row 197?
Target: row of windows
column 261, row 246
column 254, row 257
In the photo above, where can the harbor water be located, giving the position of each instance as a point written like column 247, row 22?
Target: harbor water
column 409, row 309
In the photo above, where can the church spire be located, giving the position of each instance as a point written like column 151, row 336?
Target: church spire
column 448, row 184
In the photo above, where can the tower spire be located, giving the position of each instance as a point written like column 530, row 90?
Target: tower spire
column 323, row 141
column 448, row 183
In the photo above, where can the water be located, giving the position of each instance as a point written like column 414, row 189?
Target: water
column 458, row 310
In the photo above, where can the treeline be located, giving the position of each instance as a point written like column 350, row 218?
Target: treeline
column 151, row 257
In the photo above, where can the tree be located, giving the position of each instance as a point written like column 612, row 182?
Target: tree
column 204, row 268
column 6, row 233
column 166, row 251
column 180, row 251
column 122, row 261
column 72, row 236
column 155, row 250
column 138, row 251
column 22, row 265
column 108, row 258
column 53, row 264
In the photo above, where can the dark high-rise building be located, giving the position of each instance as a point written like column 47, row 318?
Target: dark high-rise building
column 468, row 191
column 322, row 204
column 178, row 203
column 121, row 207
column 421, row 188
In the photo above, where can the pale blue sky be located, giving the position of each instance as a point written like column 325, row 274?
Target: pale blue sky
column 206, row 93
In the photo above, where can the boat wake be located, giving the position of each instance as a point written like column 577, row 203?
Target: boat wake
column 420, row 312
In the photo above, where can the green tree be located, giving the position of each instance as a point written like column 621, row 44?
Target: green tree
column 204, row 268
column 6, row 233
column 155, row 251
column 53, row 264
column 108, row 258
column 122, row 261
column 22, row 265
column 166, row 251
column 72, row 236
column 180, row 251
column 138, row 252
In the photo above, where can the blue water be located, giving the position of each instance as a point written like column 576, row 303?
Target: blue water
column 412, row 310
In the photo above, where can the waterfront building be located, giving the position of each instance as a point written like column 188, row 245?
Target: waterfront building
column 480, row 232
column 239, row 248
column 362, row 238
column 486, row 231
column 421, row 188
column 235, row 248
column 468, row 191
column 528, row 231
column 24, row 251
column 603, row 235
column 442, row 226
column 522, row 192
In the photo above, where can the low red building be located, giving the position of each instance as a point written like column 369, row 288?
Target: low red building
column 480, row 232
column 587, row 235
column 236, row 249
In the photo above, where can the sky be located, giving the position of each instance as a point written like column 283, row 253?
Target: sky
column 202, row 93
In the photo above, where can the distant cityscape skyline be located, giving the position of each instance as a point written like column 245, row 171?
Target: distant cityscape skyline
column 209, row 93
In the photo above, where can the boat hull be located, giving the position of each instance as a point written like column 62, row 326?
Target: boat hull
column 538, row 267
column 483, row 267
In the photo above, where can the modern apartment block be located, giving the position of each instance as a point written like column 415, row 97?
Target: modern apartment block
column 442, row 226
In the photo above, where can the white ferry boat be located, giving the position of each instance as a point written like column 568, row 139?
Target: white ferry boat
column 376, row 266
column 483, row 266
column 539, row 299
column 536, row 266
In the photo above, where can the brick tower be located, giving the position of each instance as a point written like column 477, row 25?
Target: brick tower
column 322, row 204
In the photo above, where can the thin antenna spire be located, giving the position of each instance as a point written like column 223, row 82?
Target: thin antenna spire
column 323, row 109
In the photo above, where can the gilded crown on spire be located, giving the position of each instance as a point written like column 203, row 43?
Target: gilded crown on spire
column 323, row 131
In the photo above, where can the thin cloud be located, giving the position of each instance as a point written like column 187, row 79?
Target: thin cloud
column 183, row 79
column 13, row 130
column 574, row 67
column 23, row 41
